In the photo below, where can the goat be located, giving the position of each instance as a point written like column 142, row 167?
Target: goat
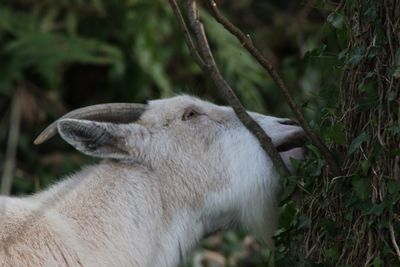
column 173, row 170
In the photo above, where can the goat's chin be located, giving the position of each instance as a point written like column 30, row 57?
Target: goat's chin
column 298, row 153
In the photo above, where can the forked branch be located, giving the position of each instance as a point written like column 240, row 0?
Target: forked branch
column 266, row 64
column 201, row 52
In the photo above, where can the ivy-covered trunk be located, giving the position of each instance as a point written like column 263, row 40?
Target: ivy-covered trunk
column 369, row 111
column 360, row 223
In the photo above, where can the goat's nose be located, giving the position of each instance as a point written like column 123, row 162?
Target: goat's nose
column 289, row 122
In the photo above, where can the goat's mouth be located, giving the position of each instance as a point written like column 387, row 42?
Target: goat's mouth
column 294, row 141
column 292, row 147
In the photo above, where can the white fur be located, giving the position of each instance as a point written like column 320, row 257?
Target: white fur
column 165, row 183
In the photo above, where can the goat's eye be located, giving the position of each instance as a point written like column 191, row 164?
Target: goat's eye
column 189, row 113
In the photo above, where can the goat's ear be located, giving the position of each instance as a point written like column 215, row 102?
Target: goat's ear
column 103, row 139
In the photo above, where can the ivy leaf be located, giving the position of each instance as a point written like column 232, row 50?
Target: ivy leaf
column 377, row 262
column 288, row 213
column 289, row 186
column 393, row 187
column 361, row 187
column 335, row 133
column 303, row 222
column 332, row 254
column 357, row 143
column 330, row 227
column 356, row 55
column 377, row 209
column 395, row 129
column 315, row 169
column 336, row 20
column 365, row 166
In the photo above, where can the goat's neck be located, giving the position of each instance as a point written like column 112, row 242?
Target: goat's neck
column 131, row 214
column 186, row 211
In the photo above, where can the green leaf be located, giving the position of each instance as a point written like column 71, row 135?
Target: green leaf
column 361, row 187
column 356, row 55
column 315, row 169
column 336, row 133
column 336, row 20
column 372, row 12
column 288, row 213
column 303, row 222
column 395, row 129
column 394, row 152
column 330, row 227
column 377, row 262
column 289, row 186
column 332, row 254
column 365, row 166
column 393, row 187
column 314, row 151
column 231, row 237
column 357, row 143
column 377, row 209
column 349, row 216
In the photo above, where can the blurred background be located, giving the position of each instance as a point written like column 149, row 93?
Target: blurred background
column 56, row 56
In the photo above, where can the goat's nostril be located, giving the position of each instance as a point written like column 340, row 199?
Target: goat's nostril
column 289, row 122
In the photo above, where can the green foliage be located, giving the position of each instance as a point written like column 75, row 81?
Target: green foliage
column 31, row 42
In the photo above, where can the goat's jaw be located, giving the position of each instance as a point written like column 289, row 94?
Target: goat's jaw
column 297, row 153
column 292, row 147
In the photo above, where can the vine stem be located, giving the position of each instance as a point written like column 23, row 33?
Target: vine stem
column 393, row 238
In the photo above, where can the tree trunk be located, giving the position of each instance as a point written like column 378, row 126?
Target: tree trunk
column 361, row 224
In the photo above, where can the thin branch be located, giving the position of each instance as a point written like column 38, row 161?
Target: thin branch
column 13, row 137
column 191, row 45
column 248, row 44
column 393, row 238
column 212, row 70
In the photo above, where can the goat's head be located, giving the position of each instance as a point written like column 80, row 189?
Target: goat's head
column 211, row 159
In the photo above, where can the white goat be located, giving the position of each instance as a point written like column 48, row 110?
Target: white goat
column 174, row 170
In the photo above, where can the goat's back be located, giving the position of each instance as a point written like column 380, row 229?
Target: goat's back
column 30, row 238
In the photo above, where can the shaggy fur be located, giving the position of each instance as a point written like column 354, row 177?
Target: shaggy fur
column 184, row 169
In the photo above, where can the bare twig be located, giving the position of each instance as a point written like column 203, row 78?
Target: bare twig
column 248, row 44
column 186, row 33
column 13, row 136
column 208, row 65
column 393, row 238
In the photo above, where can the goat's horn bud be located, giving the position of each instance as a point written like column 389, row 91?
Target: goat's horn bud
column 110, row 112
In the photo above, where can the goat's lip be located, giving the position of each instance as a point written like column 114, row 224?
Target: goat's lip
column 293, row 141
